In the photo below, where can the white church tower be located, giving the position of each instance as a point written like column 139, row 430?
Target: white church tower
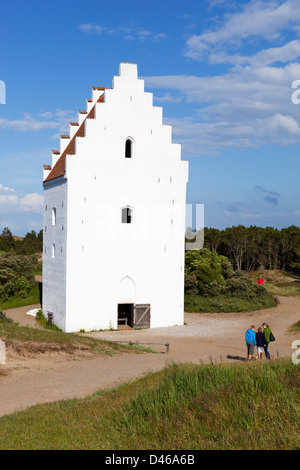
column 114, row 215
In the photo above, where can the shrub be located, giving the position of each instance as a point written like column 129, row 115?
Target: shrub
column 4, row 319
column 206, row 266
column 211, row 285
column 16, row 275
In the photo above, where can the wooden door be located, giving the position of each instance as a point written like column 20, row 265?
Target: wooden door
column 142, row 316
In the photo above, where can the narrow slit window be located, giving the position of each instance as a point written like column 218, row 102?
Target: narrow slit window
column 54, row 216
column 126, row 215
column 128, row 148
column 53, row 250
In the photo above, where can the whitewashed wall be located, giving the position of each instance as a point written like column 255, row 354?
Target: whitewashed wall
column 101, row 251
column 54, row 263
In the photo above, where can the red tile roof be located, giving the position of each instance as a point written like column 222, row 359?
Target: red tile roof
column 60, row 166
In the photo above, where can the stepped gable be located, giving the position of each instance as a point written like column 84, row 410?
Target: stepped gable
column 60, row 166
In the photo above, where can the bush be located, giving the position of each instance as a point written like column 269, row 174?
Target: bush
column 22, row 286
column 4, row 319
column 211, row 285
column 206, row 266
column 16, row 275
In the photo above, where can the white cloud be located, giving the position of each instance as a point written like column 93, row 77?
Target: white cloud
column 91, row 28
column 31, row 203
column 256, row 20
column 168, row 98
column 278, row 123
column 213, row 3
column 129, row 33
column 47, row 120
column 243, row 214
column 7, row 201
column 11, row 202
column 284, row 54
column 245, row 107
column 28, row 123
column 5, row 189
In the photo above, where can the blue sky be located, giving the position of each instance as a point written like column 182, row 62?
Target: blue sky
column 223, row 71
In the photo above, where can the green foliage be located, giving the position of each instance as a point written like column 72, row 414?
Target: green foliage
column 4, row 318
column 44, row 322
column 295, row 326
column 16, row 275
column 7, row 242
column 252, row 248
column 207, row 267
column 211, row 285
column 31, row 243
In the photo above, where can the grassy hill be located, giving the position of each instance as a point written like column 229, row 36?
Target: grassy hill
column 278, row 282
column 185, row 407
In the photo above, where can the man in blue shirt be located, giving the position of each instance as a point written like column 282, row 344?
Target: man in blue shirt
column 250, row 339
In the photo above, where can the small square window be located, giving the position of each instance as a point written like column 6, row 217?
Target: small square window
column 126, row 217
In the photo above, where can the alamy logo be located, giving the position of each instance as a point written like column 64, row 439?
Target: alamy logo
column 2, row 92
column 2, row 352
column 295, row 358
column 194, row 239
column 296, row 94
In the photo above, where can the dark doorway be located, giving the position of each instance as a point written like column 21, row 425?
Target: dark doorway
column 125, row 314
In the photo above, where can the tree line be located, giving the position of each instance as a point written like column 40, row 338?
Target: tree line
column 28, row 245
column 247, row 248
column 256, row 248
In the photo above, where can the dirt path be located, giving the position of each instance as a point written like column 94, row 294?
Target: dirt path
column 31, row 378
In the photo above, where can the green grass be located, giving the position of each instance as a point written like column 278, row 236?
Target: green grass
column 42, row 321
column 185, row 407
column 285, row 290
column 221, row 303
column 295, row 327
column 278, row 282
column 10, row 330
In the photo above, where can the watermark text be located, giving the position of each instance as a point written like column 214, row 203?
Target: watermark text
column 2, row 353
column 2, row 92
column 296, row 354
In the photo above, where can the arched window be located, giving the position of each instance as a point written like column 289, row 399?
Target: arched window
column 126, row 215
column 53, row 250
column 54, row 216
column 128, row 148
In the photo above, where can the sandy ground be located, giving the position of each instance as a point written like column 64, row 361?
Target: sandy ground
column 30, row 377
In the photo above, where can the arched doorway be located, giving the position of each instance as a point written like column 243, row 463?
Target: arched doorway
column 126, row 302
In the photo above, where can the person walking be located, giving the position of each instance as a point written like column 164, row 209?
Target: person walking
column 260, row 281
column 260, row 342
column 267, row 333
column 250, row 339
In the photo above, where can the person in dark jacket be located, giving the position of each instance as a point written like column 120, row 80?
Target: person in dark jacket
column 267, row 332
column 260, row 343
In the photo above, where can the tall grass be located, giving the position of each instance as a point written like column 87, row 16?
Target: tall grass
column 185, row 407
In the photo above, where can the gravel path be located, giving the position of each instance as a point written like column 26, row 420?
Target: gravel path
column 205, row 337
